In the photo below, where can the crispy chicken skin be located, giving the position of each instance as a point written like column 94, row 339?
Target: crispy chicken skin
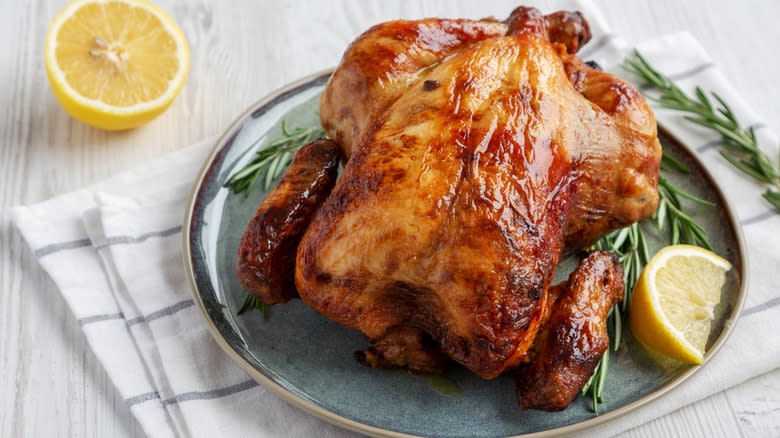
column 381, row 64
column 406, row 347
column 476, row 171
column 575, row 336
column 478, row 152
column 266, row 256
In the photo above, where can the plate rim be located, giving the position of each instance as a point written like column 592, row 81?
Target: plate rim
column 310, row 407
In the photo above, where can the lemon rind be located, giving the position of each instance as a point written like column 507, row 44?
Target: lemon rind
column 659, row 261
column 175, row 84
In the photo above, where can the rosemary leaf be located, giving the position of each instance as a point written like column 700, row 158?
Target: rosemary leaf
column 703, row 98
column 706, row 119
column 619, row 239
column 660, row 215
column 682, row 193
column 286, row 132
column 767, row 168
column 589, row 383
column 643, row 249
column 673, row 164
column 284, row 162
column 617, row 328
column 602, row 379
column 733, row 147
column 269, row 174
column 725, row 109
column 701, row 238
column 773, row 198
column 745, row 166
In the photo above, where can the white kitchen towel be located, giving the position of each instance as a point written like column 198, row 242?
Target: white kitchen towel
column 114, row 252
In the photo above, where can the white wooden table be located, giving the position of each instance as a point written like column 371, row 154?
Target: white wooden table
column 50, row 382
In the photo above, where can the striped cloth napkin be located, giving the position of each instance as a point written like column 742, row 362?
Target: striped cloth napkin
column 114, row 252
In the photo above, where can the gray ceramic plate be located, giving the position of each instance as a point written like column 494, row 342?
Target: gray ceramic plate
column 308, row 360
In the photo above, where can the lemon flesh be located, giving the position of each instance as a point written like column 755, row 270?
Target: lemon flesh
column 672, row 307
column 115, row 64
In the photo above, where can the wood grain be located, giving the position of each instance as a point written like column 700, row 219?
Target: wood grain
column 51, row 384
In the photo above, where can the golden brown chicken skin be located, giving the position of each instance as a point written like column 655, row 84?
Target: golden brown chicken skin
column 478, row 152
column 461, row 195
column 266, row 255
column 573, row 339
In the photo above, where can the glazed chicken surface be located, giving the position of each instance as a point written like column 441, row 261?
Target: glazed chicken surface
column 477, row 153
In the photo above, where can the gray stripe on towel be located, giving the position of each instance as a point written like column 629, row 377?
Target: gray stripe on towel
column 97, row 318
column 140, row 398
column 759, row 217
column 692, row 72
column 165, row 311
column 115, row 240
column 709, row 145
column 122, row 240
column 774, row 302
column 589, row 51
column 683, row 74
column 61, row 246
column 211, row 394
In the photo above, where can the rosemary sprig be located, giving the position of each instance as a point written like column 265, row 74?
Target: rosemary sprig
column 272, row 160
column 738, row 144
column 630, row 245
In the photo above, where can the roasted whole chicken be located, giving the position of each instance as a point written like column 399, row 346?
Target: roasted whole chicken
column 476, row 153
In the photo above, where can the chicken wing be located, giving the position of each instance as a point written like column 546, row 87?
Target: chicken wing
column 575, row 336
column 266, row 256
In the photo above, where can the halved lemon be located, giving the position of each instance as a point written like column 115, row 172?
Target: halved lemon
column 115, row 64
column 671, row 309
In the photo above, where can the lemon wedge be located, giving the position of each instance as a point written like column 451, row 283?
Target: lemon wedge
column 115, row 64
column 671, row 309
